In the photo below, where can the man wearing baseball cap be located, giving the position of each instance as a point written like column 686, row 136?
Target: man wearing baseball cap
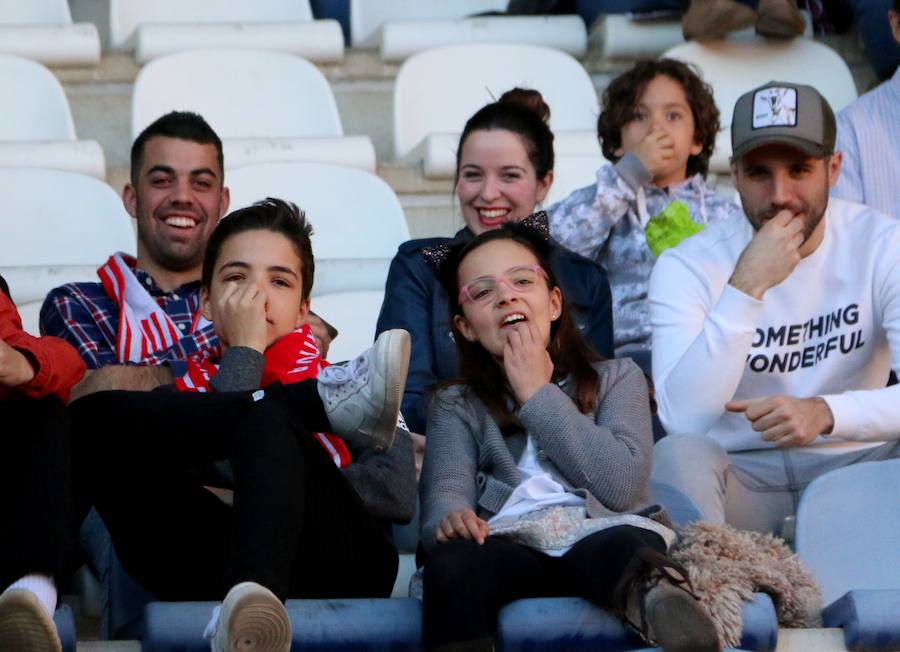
column 774, row 334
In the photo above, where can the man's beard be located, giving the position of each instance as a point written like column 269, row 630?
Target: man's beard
column 812, row 214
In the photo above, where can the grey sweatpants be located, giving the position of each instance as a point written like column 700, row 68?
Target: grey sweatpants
column 752, row 490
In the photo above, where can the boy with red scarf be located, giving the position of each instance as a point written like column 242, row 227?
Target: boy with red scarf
column 310, row 510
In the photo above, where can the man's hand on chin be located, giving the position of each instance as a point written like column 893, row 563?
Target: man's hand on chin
column 784, row 420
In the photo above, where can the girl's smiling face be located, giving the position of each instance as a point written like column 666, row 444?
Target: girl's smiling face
column 519, row 299
column 497, row 181
column 269, row 260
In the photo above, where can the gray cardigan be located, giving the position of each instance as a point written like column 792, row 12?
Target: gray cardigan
column 606, row 456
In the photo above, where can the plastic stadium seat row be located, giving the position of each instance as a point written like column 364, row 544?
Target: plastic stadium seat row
column 848, row 534
column 37, row 128
column 43, row 30
column 436, row 92
column 266, row 106
column 161, row 27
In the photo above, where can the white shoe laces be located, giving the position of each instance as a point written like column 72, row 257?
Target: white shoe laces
column 343, row 377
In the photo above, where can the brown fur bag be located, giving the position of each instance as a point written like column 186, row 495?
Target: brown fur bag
column 728, row 565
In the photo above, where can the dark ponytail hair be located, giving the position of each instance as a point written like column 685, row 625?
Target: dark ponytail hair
column 523, row 112
column 478, row 369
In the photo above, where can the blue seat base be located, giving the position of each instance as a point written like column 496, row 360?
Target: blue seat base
column 870, row 618
column 377, row 624
column 563, row 624
column 65, row 627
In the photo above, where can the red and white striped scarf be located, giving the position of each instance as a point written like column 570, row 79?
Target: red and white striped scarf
column 292, row 358
column 144, row 327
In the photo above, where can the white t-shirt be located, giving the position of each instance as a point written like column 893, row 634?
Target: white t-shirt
column 831, row 329
column 537, row 490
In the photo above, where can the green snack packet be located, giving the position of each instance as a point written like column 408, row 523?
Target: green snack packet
column 670, row 227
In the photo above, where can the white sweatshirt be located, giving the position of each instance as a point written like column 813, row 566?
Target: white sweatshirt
column 831, row 329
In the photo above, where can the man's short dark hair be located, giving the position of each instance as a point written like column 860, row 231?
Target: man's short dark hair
column 274, row 215
column 184, row 125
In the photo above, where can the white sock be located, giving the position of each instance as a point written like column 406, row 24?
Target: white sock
column 42, row 586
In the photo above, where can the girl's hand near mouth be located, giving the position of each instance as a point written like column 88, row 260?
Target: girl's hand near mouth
column 526, row 361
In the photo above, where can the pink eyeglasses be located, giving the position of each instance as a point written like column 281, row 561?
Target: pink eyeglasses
column 484, row 288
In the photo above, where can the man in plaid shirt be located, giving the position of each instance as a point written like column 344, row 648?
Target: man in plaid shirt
column 177, row 196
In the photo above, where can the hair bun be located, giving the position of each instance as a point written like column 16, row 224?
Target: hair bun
column 527, row 98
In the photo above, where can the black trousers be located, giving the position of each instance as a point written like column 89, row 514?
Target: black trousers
column 465, row 584
column 296, row 526
column 35, row 499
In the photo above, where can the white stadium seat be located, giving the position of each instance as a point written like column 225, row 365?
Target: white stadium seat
column 573, row 172
column 57, row 227
column 161, row 27
column 358, row 224
column 367, row 17
column 37, row 128
column 438, row 90
column 355, row 215
column 401, row 28
column 734, row 67
column 266, row 106
column 355, row 315
column 567, row 33
column 43, row 30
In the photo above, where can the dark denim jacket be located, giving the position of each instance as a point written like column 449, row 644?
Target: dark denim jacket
column 415, row 300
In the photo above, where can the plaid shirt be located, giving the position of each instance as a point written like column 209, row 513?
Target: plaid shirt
column 85, row 316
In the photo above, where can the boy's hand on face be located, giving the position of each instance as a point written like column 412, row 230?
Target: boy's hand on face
column 241, row 316
column 526, row 361
column 656, row 151
column 770, row 256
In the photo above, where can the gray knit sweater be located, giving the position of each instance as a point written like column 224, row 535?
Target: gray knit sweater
column 605, row 456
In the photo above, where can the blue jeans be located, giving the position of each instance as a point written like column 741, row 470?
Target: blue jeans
column 752, row 490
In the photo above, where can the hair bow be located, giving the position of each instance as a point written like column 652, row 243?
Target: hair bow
column 537, row 224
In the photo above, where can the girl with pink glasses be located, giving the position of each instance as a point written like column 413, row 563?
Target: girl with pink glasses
column 536, row 478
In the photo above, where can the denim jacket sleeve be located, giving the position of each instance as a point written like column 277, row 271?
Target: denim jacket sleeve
column 586, row 289
column 407, row 304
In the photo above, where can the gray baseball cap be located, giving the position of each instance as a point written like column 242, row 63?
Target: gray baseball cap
column 786, row 113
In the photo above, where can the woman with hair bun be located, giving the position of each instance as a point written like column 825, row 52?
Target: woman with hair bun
column 504, row 169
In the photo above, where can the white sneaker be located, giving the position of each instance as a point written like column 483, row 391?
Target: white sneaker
column 251, row 618
column 362, row 396
column 25, row 625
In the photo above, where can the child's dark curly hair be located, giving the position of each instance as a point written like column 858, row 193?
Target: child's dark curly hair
column 621, row 97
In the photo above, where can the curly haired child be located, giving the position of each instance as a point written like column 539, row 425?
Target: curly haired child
column 658, row 128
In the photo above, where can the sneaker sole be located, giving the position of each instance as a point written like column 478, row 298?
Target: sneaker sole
column 24, row 626
column 393, row 351
column 256, row 620
column 679, row 624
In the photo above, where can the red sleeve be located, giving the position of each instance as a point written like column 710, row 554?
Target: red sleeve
column 58, row 365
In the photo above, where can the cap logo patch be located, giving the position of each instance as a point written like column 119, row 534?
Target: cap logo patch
column 775, row 107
